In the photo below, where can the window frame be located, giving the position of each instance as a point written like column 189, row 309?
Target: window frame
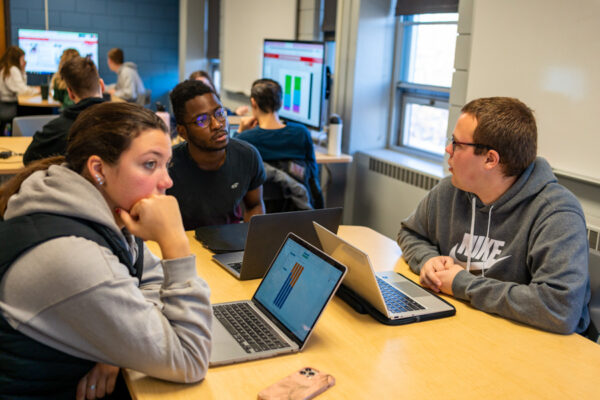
column 405, row 92
column 214, row 70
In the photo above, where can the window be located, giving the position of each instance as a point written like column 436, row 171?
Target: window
column 214, row 70
column 426, row 44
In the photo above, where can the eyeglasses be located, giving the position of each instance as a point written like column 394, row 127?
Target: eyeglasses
column 478, row 145
column 203, row 120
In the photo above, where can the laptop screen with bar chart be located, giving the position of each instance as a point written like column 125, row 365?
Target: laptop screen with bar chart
column 284, row 309
column 297, row 288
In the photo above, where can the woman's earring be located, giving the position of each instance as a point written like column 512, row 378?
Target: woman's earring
column 99, row 180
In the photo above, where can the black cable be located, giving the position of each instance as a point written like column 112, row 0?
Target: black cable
column 7, row 153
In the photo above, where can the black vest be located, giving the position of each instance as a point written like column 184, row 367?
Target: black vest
column 29, row 369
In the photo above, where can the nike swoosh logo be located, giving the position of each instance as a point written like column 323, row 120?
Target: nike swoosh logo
column 476, row 265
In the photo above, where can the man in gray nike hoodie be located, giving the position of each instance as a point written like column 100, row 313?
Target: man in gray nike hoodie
column 501, row 233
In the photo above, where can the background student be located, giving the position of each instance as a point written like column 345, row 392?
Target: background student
column 205, row 77
column 129, row 85
column 70, row 305
column 84, row 87
column 58, row 85
column 277, row 141
column 501, row 232
column 13, row 82
column 212, row 174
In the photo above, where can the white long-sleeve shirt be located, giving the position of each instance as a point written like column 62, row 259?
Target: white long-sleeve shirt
column 14, row 84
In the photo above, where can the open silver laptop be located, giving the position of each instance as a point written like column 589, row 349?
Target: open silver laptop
column 265, row 233
column 392, row 294
column 283, row 312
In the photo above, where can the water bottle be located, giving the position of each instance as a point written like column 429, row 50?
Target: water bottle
column 334, row 137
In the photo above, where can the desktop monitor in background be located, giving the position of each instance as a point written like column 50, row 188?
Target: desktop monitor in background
column 298, row 66
column 44, row 48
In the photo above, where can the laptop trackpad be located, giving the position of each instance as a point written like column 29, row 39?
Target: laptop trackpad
column 224, row 346
column 229, row 258
column 411, row 289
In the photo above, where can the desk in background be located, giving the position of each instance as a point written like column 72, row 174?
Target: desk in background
column 12, row 165
column 334, row 170
column 36, row 101
column 324, row 158
column 472, row 355
column 34, row 105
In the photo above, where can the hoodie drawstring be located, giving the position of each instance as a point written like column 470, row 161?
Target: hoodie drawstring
column 473, row 201
column 487, row 234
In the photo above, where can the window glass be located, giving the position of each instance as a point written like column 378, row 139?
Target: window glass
column 426, row 44
column 431, row 60
column 425, row 128
column 436, row 17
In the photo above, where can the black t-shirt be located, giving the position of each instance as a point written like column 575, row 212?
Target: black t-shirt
column 214, row 197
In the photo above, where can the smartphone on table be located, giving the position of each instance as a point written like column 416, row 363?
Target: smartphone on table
column 303, row 384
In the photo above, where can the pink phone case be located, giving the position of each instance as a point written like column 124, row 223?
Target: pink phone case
column 301, row 385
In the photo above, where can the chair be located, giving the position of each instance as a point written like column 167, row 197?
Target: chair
column 300, row 171
column 144, row 99
column 28, row 125
column 281, row 192
column 594, row 305
column 7, row 112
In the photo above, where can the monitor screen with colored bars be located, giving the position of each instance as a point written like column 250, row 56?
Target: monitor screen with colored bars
column 298, row 66
column 44, row 48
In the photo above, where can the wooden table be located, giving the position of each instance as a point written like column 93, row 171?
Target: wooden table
column 472, row 355
column 17, row 144
column 36, row 101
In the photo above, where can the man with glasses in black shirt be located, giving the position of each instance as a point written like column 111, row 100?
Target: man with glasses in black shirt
column 212, row 173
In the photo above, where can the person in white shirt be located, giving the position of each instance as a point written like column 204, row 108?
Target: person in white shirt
column 13, row 82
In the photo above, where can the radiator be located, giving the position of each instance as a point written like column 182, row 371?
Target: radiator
column 386, row 193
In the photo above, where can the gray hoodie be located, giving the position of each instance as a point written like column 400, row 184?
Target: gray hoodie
column 73, row 295
column 129, row 84
column 529, row 250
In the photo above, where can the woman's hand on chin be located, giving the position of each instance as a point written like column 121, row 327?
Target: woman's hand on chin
column 158, row 218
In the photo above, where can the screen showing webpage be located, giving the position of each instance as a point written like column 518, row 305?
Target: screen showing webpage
column 43, row 49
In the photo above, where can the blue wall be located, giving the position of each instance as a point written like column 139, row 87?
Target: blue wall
column 146, row 30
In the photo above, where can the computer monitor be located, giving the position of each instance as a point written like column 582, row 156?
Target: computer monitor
column 298, row 66
column 44, row 48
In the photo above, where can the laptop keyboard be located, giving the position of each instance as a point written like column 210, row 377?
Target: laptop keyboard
column 395, row 300
column 247, row 327
column 236, row 266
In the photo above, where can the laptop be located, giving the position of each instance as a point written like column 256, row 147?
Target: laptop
column 225, row 238
column 396, row 297
column 265, row 233
column 282, row 314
